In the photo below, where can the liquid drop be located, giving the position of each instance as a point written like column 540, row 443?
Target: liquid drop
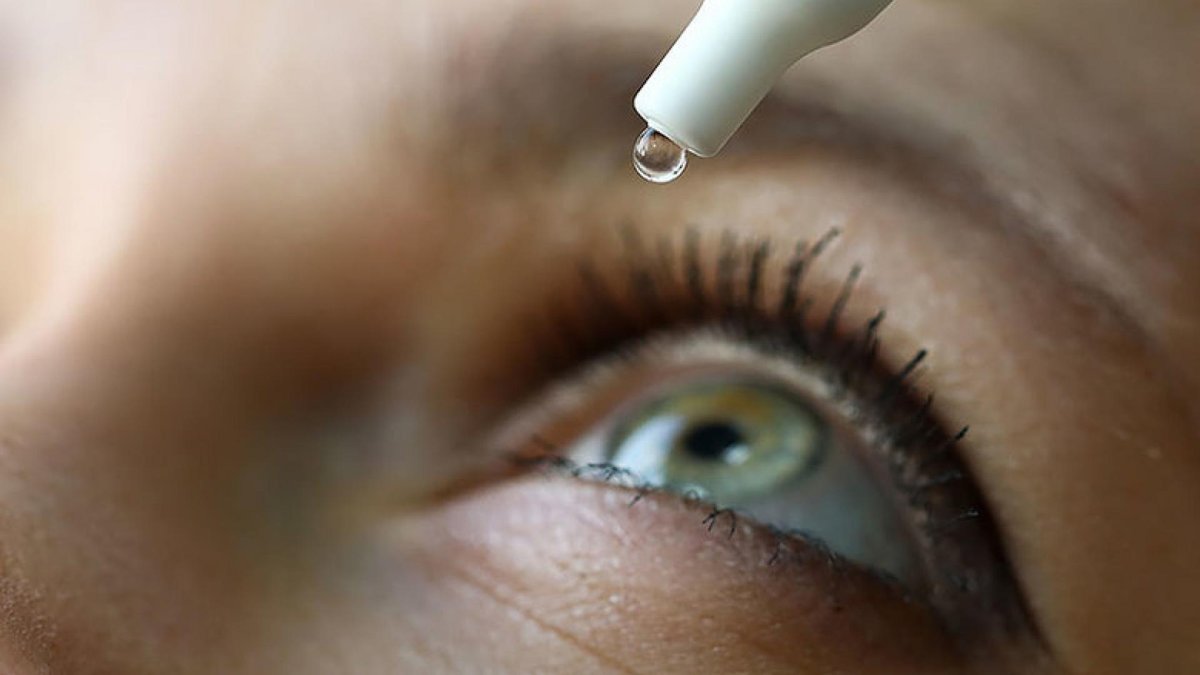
column 657, row 158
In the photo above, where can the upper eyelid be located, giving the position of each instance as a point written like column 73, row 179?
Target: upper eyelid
column 587, row 74
column 624, row 283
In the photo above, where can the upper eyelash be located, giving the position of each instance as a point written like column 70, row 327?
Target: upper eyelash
column 666, row 287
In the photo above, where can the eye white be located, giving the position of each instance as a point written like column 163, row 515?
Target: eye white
column 831, row 492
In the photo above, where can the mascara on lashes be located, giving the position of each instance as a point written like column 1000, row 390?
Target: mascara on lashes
column 682, row 281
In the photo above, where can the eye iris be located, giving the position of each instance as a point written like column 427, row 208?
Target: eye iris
column 731, row 442
column 755, row 446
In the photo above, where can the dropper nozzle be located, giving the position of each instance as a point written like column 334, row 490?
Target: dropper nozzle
column 730, row 56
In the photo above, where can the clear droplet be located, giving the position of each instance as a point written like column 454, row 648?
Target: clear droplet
column 657, row 158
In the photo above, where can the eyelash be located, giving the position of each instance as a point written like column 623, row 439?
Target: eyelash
column 668, row 291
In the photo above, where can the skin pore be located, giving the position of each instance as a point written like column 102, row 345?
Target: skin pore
column 272, row 274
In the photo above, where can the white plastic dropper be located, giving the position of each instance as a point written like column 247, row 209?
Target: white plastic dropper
column 722, row 67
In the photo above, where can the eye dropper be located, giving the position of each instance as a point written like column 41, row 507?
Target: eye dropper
column 722, row 67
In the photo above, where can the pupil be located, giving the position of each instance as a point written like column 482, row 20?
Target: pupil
column 712, row 441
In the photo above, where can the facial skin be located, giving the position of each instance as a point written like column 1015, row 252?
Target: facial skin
column 272, row 272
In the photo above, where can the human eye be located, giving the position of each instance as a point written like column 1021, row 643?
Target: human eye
column 1055, row 531
column 700, row 376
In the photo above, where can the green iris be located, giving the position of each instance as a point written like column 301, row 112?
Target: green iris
column 732, row 442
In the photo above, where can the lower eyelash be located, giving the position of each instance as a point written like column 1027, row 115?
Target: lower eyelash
column 665, row 289
column 545, row 455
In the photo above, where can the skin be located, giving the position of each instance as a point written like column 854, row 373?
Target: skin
column 268, row 274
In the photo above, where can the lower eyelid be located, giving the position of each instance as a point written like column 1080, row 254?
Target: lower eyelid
column 577, row 556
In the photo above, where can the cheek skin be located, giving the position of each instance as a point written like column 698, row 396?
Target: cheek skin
column 632, row 586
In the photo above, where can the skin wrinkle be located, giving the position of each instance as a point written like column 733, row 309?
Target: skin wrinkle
column 473, row 574
column 584, row 588
column 493, row 591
